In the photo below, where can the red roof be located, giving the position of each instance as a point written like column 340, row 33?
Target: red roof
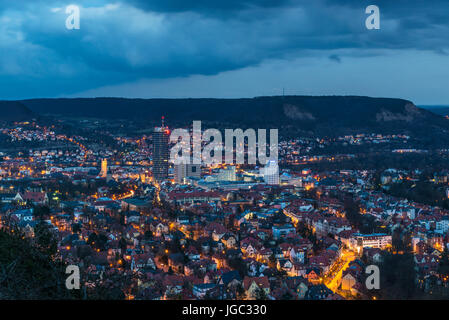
column 261, row 282
column 33, row 196
column 194, row 194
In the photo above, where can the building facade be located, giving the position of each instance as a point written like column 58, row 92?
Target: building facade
column 186, row 170
column 160, row 153
column 374, row 240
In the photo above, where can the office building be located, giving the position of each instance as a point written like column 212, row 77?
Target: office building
column 183, row 171
column 271, row 173
column 227, row 174
column 161, row 137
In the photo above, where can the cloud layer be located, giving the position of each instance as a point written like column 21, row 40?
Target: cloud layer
column 122, row 42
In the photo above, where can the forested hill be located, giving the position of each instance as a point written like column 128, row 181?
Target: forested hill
column 14, row 111
column 320, row 114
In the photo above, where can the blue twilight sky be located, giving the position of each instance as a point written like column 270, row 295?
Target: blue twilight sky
column 225, row 48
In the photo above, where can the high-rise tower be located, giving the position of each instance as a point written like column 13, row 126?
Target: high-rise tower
column 160, row 152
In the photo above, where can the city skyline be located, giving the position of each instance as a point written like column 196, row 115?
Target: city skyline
column 241, row 151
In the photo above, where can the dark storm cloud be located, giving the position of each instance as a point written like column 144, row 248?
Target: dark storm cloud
column 205, row 6
column 173, row 38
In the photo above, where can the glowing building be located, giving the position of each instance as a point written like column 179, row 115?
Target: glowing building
column 161, row 137
column 104, row 168
column 271, row 173
column 227, row 174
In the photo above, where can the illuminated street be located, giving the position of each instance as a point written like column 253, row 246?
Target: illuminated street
column 333, row 280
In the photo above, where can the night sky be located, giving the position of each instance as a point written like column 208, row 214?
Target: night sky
column 210, row 48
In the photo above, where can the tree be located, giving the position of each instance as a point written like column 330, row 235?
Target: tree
column 397, row 276
column 401, row 242
column 443, row 266
column 122, row 244
column 240, row 292
column 174, row 246
column 110, row 287
column 239, row 265
column 287, row 296
column 148, row 235
column 76, row 228
column 261, row 295
column 26, row 272
column 101, row 242
column 164, row 259
column 41, row 212
column 272, row 262
column 45, row 239
column 92, row 238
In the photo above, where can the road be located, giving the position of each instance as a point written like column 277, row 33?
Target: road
column 333, row 281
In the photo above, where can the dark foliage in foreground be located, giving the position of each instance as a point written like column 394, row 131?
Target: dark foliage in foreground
column 27, row 270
